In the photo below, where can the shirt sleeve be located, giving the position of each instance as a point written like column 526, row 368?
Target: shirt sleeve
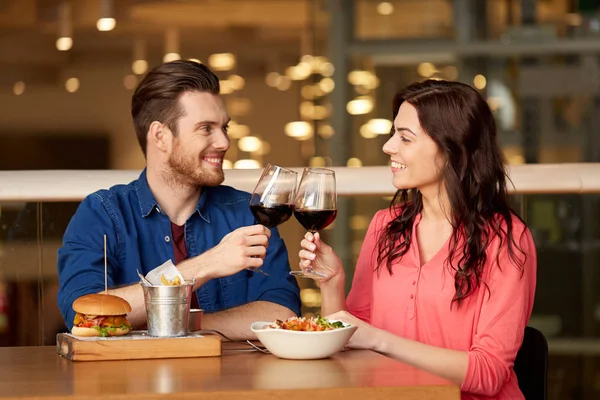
column 279, row 287
column 503, row 317
column 81, row 257
column 361, row 294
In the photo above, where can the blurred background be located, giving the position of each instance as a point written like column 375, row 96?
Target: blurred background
column 307, row 82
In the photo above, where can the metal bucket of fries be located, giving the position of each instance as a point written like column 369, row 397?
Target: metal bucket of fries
column 168, row 309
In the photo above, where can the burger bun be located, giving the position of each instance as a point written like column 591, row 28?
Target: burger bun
column 101, row 304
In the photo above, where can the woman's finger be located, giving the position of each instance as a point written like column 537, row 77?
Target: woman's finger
column 308, row 245
column 306, row 255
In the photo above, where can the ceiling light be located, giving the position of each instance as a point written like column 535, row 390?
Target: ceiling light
column 221, row 61
column 246, row 164
column 385, row 8
column 300, row 130
column 106, row 24
column 130, row 82
column 72, row 85
column 227, row 164
column 139, row 67
column 380, row 126
column 65, row 28
column 354, row 163
column 19, row 88
column 168, row 57
column 426, row 69
column 249, row 144
column 359, row 106
column 479, row 81
column 237, row 81
column 284, row 83
column 64, row 43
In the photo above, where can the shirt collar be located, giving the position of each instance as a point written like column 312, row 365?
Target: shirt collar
column 145, row 196
column 148, row 202
column 202, row 206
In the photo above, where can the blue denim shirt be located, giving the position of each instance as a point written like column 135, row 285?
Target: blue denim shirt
column 138, row 236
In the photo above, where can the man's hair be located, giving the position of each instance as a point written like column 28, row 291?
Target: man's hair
column 157, row 96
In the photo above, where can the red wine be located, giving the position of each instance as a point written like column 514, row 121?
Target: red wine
column 315, row 220
column 273, row 215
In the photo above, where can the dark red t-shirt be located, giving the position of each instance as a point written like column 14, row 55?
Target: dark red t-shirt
column 178, row 233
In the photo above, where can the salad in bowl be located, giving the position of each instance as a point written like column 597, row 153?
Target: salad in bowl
column 303, row 338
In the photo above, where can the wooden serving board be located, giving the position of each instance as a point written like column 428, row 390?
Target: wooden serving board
column 136, row 345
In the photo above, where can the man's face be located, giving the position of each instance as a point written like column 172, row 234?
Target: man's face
column 196, row 157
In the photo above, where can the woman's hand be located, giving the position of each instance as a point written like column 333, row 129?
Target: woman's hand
column 321, row 256
column 365, row 336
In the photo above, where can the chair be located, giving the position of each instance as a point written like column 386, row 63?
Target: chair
column 531, row 365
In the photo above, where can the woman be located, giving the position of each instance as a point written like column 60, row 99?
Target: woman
column 445, row 280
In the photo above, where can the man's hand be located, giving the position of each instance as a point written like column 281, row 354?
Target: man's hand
column 245, row 247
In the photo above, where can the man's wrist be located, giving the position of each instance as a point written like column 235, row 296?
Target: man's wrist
column 197, row 268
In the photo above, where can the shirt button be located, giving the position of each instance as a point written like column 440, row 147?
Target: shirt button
column 414, row 282
column 167, row 239
column 412, row 296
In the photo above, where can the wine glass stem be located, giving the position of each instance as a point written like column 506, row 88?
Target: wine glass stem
column 256, row 269
column 310, row 269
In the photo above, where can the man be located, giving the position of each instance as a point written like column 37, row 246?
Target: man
column 177, row 209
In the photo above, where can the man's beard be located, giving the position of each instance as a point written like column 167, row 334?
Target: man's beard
column 189, row 171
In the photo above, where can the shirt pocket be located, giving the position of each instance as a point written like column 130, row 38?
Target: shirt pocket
column 235, row 289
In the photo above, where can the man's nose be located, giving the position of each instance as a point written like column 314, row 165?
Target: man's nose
column 221, row 141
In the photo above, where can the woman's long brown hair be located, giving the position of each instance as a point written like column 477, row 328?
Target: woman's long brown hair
column 461, row 123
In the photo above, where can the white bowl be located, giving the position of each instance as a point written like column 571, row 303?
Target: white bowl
column 296, row 345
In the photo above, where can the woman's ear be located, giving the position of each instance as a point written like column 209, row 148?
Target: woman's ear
column 159, row 136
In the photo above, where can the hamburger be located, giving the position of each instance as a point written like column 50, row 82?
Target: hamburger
column 101, row 315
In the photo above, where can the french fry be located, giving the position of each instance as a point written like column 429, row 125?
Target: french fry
column 173, row 282
column 164, row 280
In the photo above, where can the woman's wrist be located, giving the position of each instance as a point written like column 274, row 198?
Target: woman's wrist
column 336, row 282
column 333, row 295
column 378, row 341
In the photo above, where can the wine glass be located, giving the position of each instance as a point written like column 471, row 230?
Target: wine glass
column 315, row 207
column 272, row 202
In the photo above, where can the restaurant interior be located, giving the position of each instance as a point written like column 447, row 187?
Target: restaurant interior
column 307, row 83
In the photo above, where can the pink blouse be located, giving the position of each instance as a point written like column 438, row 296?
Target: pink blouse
column 415, row 302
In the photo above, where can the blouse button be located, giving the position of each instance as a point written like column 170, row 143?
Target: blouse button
column 167, row 239
column 412, row 296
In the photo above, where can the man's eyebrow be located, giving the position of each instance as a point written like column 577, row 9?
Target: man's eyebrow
column 403, row 129
column 212, row 123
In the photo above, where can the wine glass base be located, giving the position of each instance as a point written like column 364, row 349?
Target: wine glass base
column 308, row 274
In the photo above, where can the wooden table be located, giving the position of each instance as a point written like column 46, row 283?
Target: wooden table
column 39, row 373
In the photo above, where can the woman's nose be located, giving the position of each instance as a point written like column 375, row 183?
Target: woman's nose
column 389, row 148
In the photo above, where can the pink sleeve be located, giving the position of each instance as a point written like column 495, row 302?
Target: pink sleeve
column 361, row 293
column 503, row 317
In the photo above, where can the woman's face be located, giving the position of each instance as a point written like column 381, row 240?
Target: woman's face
column 415, row 158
